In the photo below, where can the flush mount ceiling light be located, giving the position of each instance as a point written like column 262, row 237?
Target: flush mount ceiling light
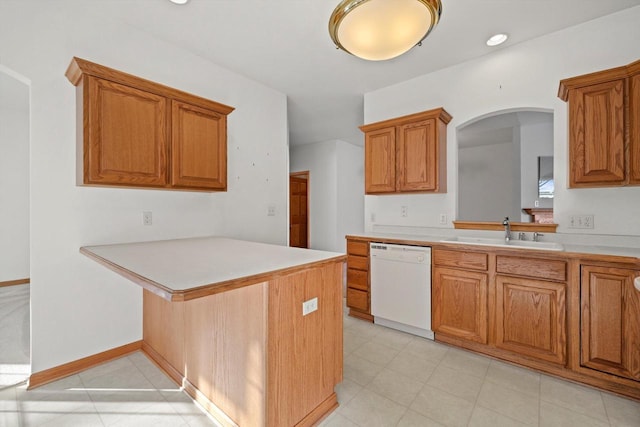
column 382, row 29
column 179, row 1
column 497, row 39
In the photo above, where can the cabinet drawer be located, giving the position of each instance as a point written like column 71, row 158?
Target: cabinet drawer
column 358, row 279
column 357, row 248
column 467, row 260
column 358, row 262
column 538, row 268
column 358, row 299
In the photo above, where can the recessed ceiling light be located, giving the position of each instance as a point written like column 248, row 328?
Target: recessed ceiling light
column 179, row 1
column 497, row 39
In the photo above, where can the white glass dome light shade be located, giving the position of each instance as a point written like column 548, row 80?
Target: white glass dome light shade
column 377, row 30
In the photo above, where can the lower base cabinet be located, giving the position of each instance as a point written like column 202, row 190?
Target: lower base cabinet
column 531, row 318
column 610, row 332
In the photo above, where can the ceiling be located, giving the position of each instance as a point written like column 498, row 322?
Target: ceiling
column 285, row 44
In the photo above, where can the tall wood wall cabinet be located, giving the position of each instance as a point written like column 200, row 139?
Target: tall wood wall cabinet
column 407, row 154
column 604, row 127
column 137, row 133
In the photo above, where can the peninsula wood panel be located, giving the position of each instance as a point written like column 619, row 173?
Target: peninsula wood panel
column 304, row 352
column 531, row 318
column 380, row 161
column 162, row 326
column 459, row 306
column 125, row 135
column 610, row 307
column 199, row 147
column 596, row 135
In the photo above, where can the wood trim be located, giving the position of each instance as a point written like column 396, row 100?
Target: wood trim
column 15, row 282
column 79, row 67
column 437, row 113
column 320, row 412
column 209, row 289
column 360, row 315
column 590, row 79
column 53, row 374
column 497, row 226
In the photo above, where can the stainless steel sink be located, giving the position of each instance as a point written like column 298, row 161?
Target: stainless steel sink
column 523, row 244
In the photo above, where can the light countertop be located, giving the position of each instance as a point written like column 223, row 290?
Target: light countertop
column 573, row 249
column 176, row 268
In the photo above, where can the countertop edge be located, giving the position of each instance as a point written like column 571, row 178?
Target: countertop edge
column 207, row 289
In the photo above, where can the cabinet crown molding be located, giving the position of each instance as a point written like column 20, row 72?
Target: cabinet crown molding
column 80, row 67
column 597, row 77
column 437, row 113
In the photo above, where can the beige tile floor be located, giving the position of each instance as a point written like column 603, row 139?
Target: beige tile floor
column 390, row 379
column 14, row 334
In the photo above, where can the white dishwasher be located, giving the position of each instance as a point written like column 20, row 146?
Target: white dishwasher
column 401, row 287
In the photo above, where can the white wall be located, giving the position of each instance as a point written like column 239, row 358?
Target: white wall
column 536, row 140
column 350, row 188
column 78, row 307
column 519, row 76
column 336, row 190
column 14, row 178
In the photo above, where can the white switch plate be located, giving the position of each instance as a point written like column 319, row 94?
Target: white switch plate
column 309, row 306
column 581, row 221
column 404, row 211
column 271, row 210
column 443, row 219
column 147, row 218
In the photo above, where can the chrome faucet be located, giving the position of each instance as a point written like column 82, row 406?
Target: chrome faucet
column 507, row 229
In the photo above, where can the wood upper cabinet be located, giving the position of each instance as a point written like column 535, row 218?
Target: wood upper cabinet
column 610, row 321
column 380, row 160
column 407, row 154
column 198, row 146
column 138, row 133
column 603, row 137
column 125, row 135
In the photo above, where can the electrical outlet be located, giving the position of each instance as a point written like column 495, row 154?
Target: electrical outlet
column 309, row 306
column 147, row 218
column 373, row 217
column 443, row 219
column 271, row 210
column 581, row 221
column 536, row 204
column 404, row 211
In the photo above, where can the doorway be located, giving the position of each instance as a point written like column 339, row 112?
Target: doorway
column 299, row 209
column 15, row 353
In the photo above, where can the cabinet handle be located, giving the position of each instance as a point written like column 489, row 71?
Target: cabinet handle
column 636, row 283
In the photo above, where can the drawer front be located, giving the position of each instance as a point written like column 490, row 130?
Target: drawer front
column 537, row 268
column 358, row 300
column 358, row 262
column 466, row 260
column 356, row 247
column 358, row 279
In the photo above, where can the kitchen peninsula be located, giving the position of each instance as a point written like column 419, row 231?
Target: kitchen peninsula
column 252, row 331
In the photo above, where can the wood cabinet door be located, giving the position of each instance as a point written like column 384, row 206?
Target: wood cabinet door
column 531, row 318
column 459, row 307
column 198, row 147
column 596, row 135
column 610, row 322
column 417, row 157
column 634, row 128
column 380, row 161
column 125, row 135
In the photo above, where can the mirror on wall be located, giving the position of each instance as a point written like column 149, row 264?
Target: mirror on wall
column 503, row 159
